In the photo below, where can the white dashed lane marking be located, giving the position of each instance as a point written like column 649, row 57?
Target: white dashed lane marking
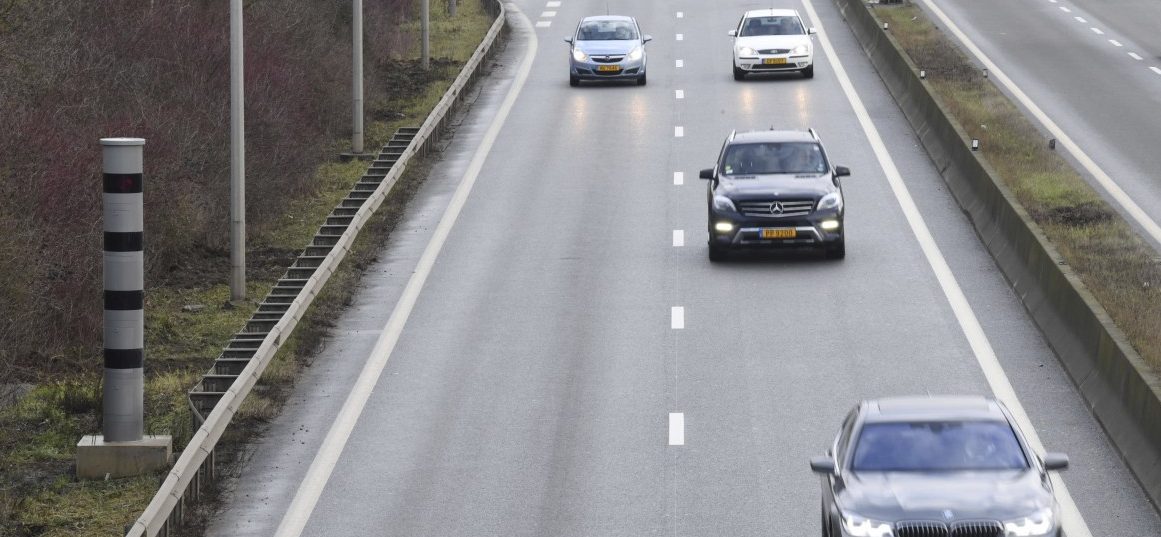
column 680, row 94
column 678, row 178
column 552, row 4
column 681, row 37
column 1135, row 56
column 678, row 131
column 1097, row 31
column 680, row 15
column 1081, row 20
column 548, row 14
column 1115, row 43
column 1066, row 10
column 677, row 318
column 543, row 24
column 680, row 63
column 676, row 429
column 1155, row 70
column 678, row 237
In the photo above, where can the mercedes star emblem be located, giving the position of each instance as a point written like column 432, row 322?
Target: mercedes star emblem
column 776, row 208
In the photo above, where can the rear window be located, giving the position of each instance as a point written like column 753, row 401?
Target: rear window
column 606, row 31
column 804, row 158
column 938, row 447
column 783, row 25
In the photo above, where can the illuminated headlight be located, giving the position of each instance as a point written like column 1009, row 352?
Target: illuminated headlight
column 723, row 203
column 747, row 51
column 829, row 225
column 834, row 200
column 800, row 49
column 1037, row 524
column 858, row 526
column 636, row 54
column 723, row 227
column 579, row 55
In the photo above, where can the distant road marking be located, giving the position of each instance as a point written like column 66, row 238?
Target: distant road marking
column 680, row 15
column 676, row 429
column 681, row 63
column 323, row 465
column 677, row 318
column 1114, row 190
column 1071, row 519
column 543, row 24
column 1066, row 10
column 681, row 37
column 678, row 178
column 678, row 238
column 1115, row 43
column 1052, row 1
column 678, row 131
column 548, row 14
column 552, row 4
column 680, row 94
column 1135, row 56
column 1081, row 20
column 1097, row 31
column 1155, row 70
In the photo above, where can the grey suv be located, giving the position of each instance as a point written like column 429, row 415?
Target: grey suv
column 774, row 189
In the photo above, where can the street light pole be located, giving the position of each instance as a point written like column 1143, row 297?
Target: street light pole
column 426, row 34
column 357, row 76
column 237, row 159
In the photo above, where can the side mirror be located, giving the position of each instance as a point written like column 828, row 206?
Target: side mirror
column 647, row 38
column 732, row 33
column 841, row 171
column 811, row 31
column 568, row 40
column 1055, row 461
column 822, row 465
column 707, row 173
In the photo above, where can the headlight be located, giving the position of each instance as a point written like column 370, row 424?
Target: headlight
column 858, row 526
column 800, row 49
column 636, row 54
column 723, row 227
column 579, row 55
column 834, row 200
column 1035, row 525
column 747, row 51
column 723, row 203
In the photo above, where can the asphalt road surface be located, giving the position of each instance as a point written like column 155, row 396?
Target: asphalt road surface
column 531, row 388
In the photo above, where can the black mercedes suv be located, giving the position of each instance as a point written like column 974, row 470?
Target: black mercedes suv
column 775, row 189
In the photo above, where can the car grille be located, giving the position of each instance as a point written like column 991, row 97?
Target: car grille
column 775, row 66
column 607, row 59
column 767, row 209
column 775, row 51
column 924, row 528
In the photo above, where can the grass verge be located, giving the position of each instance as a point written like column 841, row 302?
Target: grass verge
column 188, row 323
column 1121, row 270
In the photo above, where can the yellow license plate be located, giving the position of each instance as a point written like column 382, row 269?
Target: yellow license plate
column 613, row 68
column 779, row 233
column 774, row 61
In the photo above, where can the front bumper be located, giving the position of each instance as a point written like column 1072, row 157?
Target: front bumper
column 589, row 70
column 759, row 63
column 747, row 232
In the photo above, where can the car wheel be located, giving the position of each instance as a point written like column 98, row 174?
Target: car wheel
column 738, row 73
column 838, row 250
column 808, row 72
column 717, row 253
column 573, row 80
column 641, row 80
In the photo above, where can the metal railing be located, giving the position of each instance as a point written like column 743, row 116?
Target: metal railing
column 195, row 466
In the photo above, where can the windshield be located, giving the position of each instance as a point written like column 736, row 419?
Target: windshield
column 766, row 158
column 938, row 447
column 606, row 31
column 786, row 25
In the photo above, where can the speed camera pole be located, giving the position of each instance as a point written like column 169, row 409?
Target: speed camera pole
column 237, row 158
column 426, row 62
column 357, row 76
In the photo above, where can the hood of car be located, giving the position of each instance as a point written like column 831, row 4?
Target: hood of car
column 948, row 497
column 607, row 47
column 780, row 186
column 763, row 42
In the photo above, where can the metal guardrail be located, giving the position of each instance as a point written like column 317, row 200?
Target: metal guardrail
column 195, row 466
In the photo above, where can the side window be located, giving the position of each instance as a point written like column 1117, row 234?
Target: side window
column 844, row 437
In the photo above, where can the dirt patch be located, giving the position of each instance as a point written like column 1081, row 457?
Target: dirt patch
column 1084, row 214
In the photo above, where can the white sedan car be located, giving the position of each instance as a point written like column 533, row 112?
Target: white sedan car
column 772, row 40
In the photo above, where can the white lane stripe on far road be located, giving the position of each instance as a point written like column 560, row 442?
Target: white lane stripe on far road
column 1097, row 31
column 680, row 15
column 677, row 318
column 678, row 132
column 323, row 465
column 543, row 24
column 1155, row 70
column 1080, row 20
column 680, row 63
column 676, row 429
column 1135, row 56
column 678, row 178
column 1115, row 43
column 548, row 14
column 681, row 37
column 1066, row 10
column 1072, row 521
column 680, row 94
column 552, row 4
column 678, row 238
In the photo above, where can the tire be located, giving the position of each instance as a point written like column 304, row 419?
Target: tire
column 641, row 80
column 808, row 72
column 739, row 74
column 716, row 254
column 573, row 80
column 838, row 250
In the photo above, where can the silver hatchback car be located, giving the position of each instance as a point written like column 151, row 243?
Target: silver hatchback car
column 607, row 47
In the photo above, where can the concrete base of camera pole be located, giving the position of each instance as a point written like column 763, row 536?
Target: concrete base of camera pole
column 349, row 156
column 98, row 459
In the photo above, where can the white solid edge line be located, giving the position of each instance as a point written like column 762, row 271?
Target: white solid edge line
column 677, row 318
column 678, row 178
column 309, row 491
column 678, row 238
column 676, row 429
column 1071, row 519
column 1111, row 187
